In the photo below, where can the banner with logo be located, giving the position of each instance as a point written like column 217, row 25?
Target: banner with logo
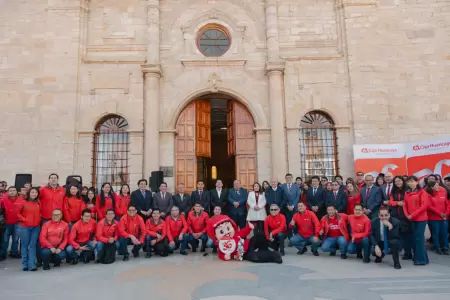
column 380, row 158
column 429, row 157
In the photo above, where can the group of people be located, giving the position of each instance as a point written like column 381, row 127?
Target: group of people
column 362, row 217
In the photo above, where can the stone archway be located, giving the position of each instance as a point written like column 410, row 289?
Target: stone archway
column 198, row 125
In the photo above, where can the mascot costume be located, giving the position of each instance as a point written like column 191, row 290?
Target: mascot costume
column 234, row 245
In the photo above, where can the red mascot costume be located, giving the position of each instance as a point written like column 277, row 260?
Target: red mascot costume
column 234, row 245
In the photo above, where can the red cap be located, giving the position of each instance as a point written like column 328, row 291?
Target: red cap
column 216, row 221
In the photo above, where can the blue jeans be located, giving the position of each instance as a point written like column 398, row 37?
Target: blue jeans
column 46, row 255
column 300, row 242
column 203, row 238
column 420, row 253
column 11, row 231
column 439, row 233
column 100, row 246
column 331, row 244
column 123, row 243
column 28, row 238
column 182, row 244
column 38, row 247
column 72, row 254
column 363, row 245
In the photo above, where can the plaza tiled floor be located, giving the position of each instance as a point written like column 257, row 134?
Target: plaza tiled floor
column 199, row 278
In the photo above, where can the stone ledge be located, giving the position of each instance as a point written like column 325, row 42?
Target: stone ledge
column 219, row 62
column 152, row 68
column 275, row 66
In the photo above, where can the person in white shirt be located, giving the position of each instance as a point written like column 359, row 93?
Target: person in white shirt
column 256, row 207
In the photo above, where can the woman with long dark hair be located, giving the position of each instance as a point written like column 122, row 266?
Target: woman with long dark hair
column 256, row 207
column 29, row 215
column 415, row 209
column 380, row 181
column 305, row 187
column 438, row 213
column 90, row 202
column 265, row 186
column 396, row 203
column 105, row 200
column 73, row 205
column 353, row 197
column 122, row 201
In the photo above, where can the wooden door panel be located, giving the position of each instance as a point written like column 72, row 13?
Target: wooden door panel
column 245, row 137
column 230, row 128
column 185, row 160
column 203, row 128
column 246, row 170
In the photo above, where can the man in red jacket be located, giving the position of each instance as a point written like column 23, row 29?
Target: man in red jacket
column 335, row 232
column 9, row 206
column 307, row 230
column 197, row 221
column 82, row 238
column 53, row 240
column 360, row 228
column 177, row 231
column 51, row 197
column 107, row 231
column 156, row 235
column 131, row 232
column 274, row 228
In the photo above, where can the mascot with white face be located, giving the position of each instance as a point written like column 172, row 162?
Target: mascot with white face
column 234, row 245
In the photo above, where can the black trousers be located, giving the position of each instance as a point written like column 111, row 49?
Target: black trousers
column 394, row 246
column 258, row 251
column 278, row 242
column 161, row 248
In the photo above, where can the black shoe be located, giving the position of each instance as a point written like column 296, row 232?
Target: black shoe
column 359, row 255
column 203, row 249
column 214, row 250
column 46, row 267
column 406, row 257
column 366, row 261
column 378, row 260
column 438, row 251
column 194, row 249
column 289, row 244
column 14, row 255
column 33, row 270
column 148, row 255
column 397, row 266
column 2, row 258
column 97, row 261
column 333, row 254
column 39, row 264
column 135, row 252
column 445, row 251
column 344, row 256
column 300, row 252
column 74, row 262
column 126, row 257
column 183, row 253
column 57, row 264
column 282, row 253
column 315, row 252
column 86, row 260
column 25, row 269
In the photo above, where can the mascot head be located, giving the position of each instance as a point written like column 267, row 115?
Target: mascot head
column 221, row 229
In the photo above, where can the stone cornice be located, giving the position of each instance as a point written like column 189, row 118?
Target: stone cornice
column 368, row 3
column 275, row 66
column 219, row 62
column 152, row 69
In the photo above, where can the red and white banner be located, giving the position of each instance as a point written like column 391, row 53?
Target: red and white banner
column 380, row 158
column 429, row 157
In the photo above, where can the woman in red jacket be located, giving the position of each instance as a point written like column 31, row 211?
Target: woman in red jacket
column 353, row 197
column 105, row 200
column 122, row 201
column 90, row 203
column 29, row 215
column 438, row 213
column 73, row 205
column 415, row 209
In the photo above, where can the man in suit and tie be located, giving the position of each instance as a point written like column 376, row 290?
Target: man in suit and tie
column 237, row 198
column 316, row 197
column 163, row 200
column 218, row 196
column 387, row 187
column 340, row 181
column 337, row 198
column 292, row 194
column 371, row 198
column 142, row 200
column 275, row 195
column 201, row 196
column 182, row 201
column 385, row 235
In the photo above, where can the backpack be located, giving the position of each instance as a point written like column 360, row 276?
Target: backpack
column 108, row 254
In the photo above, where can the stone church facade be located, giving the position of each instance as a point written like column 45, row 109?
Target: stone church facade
column 314, row 76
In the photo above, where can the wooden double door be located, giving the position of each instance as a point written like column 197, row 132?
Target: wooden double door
column 193, row 141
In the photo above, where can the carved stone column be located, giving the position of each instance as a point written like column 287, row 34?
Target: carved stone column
column 152, row 74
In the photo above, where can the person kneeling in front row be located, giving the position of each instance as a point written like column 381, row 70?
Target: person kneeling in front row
column 197, row 221
column 131, row 232
column 360, row 231
column 82, row 238
column 385, row 235
column 156, row 235
column 107, row 238
column 335, row 232
column 176, row 229
column 307, row 230
column 53, row 240
column 274, row 228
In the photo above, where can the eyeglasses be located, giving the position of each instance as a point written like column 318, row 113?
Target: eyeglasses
column 131, row 210
column 273, row 209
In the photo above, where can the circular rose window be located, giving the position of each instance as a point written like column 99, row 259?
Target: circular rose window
column 213, row 40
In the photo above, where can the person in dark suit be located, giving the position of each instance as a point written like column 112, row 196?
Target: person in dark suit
column 386, row 189
column 218, row 196
column 371, row 198
column 385, row 235
column 274, row 195
column 237, row 198
column 201, row 196
column 337, row 198
column 292, row 196
column 340, row 181
column 163, row 200
column 316, row 197
column 182, row 201
column 142, row 199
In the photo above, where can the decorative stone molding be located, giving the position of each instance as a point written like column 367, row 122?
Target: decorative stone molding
column 84, row 6
column 345, row 4
column 218, row 62
column 106, row 80
column 152, row 69
column 275, row 67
